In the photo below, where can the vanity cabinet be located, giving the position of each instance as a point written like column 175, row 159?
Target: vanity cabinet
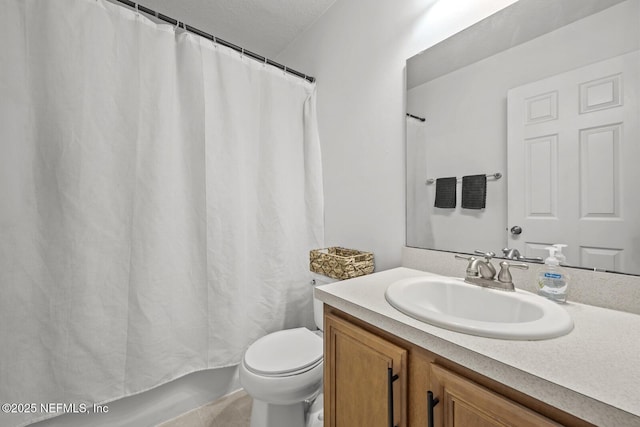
column 464, row 403
column 358, row 385
column 365, row 377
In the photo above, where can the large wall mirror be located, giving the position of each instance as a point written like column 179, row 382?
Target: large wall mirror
column 542, row 98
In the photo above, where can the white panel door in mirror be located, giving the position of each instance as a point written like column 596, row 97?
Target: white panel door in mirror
column 577, row 164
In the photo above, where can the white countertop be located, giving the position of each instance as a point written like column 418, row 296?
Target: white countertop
column 592, row 373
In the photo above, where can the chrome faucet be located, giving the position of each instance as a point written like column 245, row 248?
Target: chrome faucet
column 513, row 253
column 483, row 273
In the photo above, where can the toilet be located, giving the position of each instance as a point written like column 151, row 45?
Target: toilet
column 283, row 371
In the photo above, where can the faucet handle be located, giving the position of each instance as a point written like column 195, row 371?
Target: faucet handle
column 530, row 259
column 505, row 275
column 487, row 255
column 515, row 255
column 520, row 265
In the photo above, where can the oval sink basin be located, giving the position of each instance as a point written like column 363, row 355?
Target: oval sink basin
column 453, row 304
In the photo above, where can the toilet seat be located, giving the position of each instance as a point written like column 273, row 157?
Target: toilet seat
column 284, row 353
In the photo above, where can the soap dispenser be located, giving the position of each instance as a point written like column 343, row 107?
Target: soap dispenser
column 552, row 280
column 562, row 259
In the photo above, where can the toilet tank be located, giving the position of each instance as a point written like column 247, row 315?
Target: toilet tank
column 318, row 280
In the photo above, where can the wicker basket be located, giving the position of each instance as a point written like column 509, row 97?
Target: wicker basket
column 340, row 263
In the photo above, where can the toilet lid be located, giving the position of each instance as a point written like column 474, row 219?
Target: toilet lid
column 284, row 352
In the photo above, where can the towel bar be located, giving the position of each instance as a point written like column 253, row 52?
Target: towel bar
column 496, row 175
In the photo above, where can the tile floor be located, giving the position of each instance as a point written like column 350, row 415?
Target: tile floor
column 233, row 410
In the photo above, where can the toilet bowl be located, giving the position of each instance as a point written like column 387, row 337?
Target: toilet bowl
column 282, row 372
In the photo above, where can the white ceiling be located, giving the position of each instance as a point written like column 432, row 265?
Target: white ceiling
column 265, row 27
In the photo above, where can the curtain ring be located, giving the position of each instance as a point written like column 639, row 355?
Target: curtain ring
column 265, row 62
column 242, row 53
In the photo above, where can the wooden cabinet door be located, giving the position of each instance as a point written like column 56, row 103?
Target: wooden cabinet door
column 465, row 403
column 357, row 377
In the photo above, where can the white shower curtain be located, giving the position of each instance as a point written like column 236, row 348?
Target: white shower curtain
column 159, row 195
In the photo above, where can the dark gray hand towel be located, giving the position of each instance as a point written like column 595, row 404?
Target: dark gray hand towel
column 446, row 192
column 474, row 191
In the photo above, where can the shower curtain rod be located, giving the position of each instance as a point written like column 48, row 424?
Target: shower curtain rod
column 243, row 51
